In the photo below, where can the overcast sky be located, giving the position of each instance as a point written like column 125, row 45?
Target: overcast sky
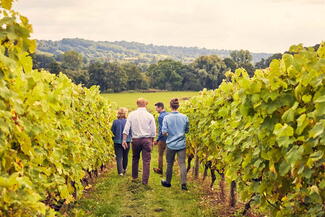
column 256, row 25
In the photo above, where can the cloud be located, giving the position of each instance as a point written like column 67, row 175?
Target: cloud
column 257, row 25
column 300, row 1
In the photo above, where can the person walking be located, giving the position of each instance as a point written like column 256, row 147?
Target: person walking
column 161, row 140
column 143, row 130
column 121, row 153
column 175, row 126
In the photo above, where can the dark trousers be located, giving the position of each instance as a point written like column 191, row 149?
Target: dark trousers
column 121, row 157
column 170, row 157
column 143, row 145
column 161, row 150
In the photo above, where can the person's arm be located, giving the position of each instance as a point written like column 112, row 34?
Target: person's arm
column 160, row 120
column 125, row 136
column 126, row 132
column 187, row 125
column 152, row 125
column 130, row 134
column 113, row 128
column 164, row 129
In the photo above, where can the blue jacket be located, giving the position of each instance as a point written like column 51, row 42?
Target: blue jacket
column 161, row 137
column 117, row 129
column 175, row 125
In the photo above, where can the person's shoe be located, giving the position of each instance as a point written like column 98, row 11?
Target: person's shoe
column 121, row 174
column 124, row 172
column 184, row 187
column 165, row 184
column 157, row 170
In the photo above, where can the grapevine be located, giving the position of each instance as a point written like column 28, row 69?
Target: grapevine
column 52, row 131
column 267, row 132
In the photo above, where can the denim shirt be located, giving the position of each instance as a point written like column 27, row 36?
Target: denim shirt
column 175, row 125
column 161, row 137
column 117, row 129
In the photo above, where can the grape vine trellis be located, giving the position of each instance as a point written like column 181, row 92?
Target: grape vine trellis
column 267, row 133
column 52, row 132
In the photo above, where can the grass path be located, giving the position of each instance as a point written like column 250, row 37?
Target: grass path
column 113, row 195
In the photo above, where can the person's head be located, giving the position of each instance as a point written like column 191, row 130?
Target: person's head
column 174, row 104
column 122, row 113
column 142, row 103
column 160, row 107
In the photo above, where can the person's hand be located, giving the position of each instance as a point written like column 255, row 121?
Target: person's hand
column 124, row 144
column 155, row 142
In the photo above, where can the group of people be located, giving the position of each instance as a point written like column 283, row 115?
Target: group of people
column 139, row 130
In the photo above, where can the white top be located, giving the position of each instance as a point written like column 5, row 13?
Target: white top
column 141, row 123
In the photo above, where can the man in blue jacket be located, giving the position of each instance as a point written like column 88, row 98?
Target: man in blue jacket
column 161, row 140
column 175, row 125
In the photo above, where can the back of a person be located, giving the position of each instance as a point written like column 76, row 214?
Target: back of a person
column 140, row 121
column 176, row 121
column 121, row 153
column 143, row 128
column 163, row 114
column 161, row 140
column 177, row 124
column 119, row 125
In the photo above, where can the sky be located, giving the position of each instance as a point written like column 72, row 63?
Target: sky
column 255, row 25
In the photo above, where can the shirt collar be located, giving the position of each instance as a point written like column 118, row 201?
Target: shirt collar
column 142, row 108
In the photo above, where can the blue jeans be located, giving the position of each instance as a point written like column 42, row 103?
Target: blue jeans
column 121, row 157
column 170, row 157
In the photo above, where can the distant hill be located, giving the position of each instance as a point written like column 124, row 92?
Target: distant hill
column 130, row 51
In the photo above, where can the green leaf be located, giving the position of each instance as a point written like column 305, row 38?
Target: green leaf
column 314, row 189
column 283, row 130
column 320, row 109
column 294, row 155
column 322, row 184
column 320, row 99
column 302, row 123
column 64, row 193
column 285, row 141
column 8, row 182
column 306, row 98
column 284, row 168
column 316, row 155
column 317, row 130
column 289, row 115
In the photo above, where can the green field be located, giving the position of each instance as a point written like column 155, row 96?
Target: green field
column 129, row 99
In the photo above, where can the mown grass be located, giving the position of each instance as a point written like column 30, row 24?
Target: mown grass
column 128, row 99
column 119, row 196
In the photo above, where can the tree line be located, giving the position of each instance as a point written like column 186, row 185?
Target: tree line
column 204, row 72
column 132, row 51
